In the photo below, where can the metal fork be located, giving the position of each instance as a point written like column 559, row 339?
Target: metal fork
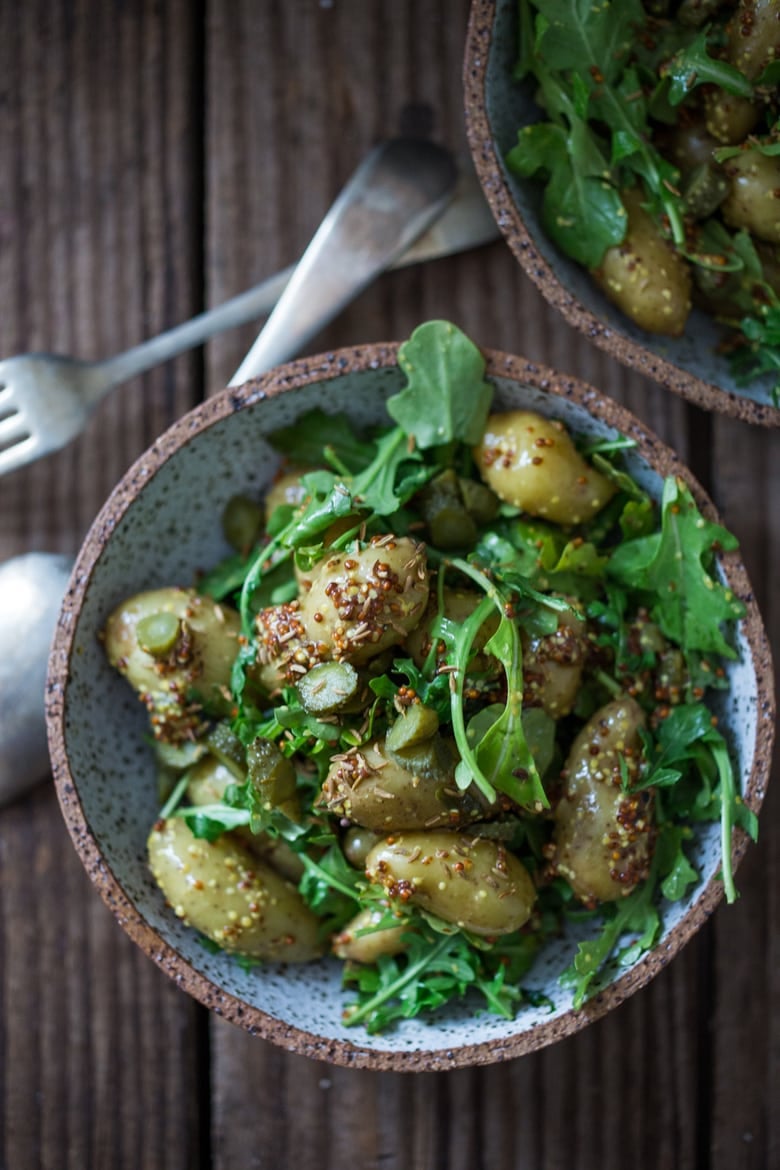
column 46, row 399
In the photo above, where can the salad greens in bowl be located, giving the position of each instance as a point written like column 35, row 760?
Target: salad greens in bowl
column 630, row 152
column 410, row 705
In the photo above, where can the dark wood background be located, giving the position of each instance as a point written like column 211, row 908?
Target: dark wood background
column 158, row 156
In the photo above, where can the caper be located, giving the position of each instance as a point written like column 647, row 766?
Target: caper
column 452, row 528
column 695, row 13
column 441, row 504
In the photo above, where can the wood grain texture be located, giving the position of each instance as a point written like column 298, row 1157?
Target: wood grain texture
column 745, row 1024
column 100, row 133
column 101, row 230
column 161, row 155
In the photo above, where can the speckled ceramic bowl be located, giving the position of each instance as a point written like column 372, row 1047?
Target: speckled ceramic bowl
column 163, row 522
column 496, row 108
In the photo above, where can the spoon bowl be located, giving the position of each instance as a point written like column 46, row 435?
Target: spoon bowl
column 31, row 587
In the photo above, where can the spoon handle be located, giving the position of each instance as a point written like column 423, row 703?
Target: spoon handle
column 395, row 193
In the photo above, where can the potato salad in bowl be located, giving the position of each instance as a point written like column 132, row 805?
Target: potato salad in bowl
column 629, row 152
column 454, row 735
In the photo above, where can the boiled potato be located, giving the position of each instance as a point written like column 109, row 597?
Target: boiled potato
column 233, row 898
column 754, row 199
column 603, row 834
column 370, row 787
column 754, row 36
column 361, row 941
column 644, row 276
column 729, row 117
column 752, row 42
column 474, row 883
column 359, row 603
column 552, row 665
column 194, row 657
column 531, row 462
column 207, row 782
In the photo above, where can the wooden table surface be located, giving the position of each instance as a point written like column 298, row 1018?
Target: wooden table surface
column 159, row 156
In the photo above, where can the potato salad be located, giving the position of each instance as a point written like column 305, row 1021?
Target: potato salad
column 657, row 146
column 449, row 691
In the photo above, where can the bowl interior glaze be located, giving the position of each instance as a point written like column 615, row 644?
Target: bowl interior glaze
column 496, row 107
column 162, row 523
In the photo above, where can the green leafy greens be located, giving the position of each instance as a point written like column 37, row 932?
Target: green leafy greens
column 642, row 578
column 611, row 79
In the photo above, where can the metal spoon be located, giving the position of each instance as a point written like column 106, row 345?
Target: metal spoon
column 31, row 591
column 401, row 188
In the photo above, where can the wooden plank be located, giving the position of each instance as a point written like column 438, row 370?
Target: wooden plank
column 101, row 231
column 100, row 133
column 99, row 1048
column 745, row 1027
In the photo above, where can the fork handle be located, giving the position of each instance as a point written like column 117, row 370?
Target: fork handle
column 247, row 306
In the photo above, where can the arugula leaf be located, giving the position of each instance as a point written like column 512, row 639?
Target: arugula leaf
column 689, row 735
column 502, row 760
column 527, row 547
column 674, row 566
column 636, row 912
column 678, row 873
column 317, row 432
column 210, row 821
column 331, row 887
column 504, row 748
column 692, row 66
column 446, row 396
column 225, row 578
column 376, row 489
column 579, row 35
column 576, row 191
column 440, row 965
column 761, row 352
column 433, row 692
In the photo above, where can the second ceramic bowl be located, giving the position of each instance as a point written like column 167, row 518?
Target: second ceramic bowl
column 496, row 108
